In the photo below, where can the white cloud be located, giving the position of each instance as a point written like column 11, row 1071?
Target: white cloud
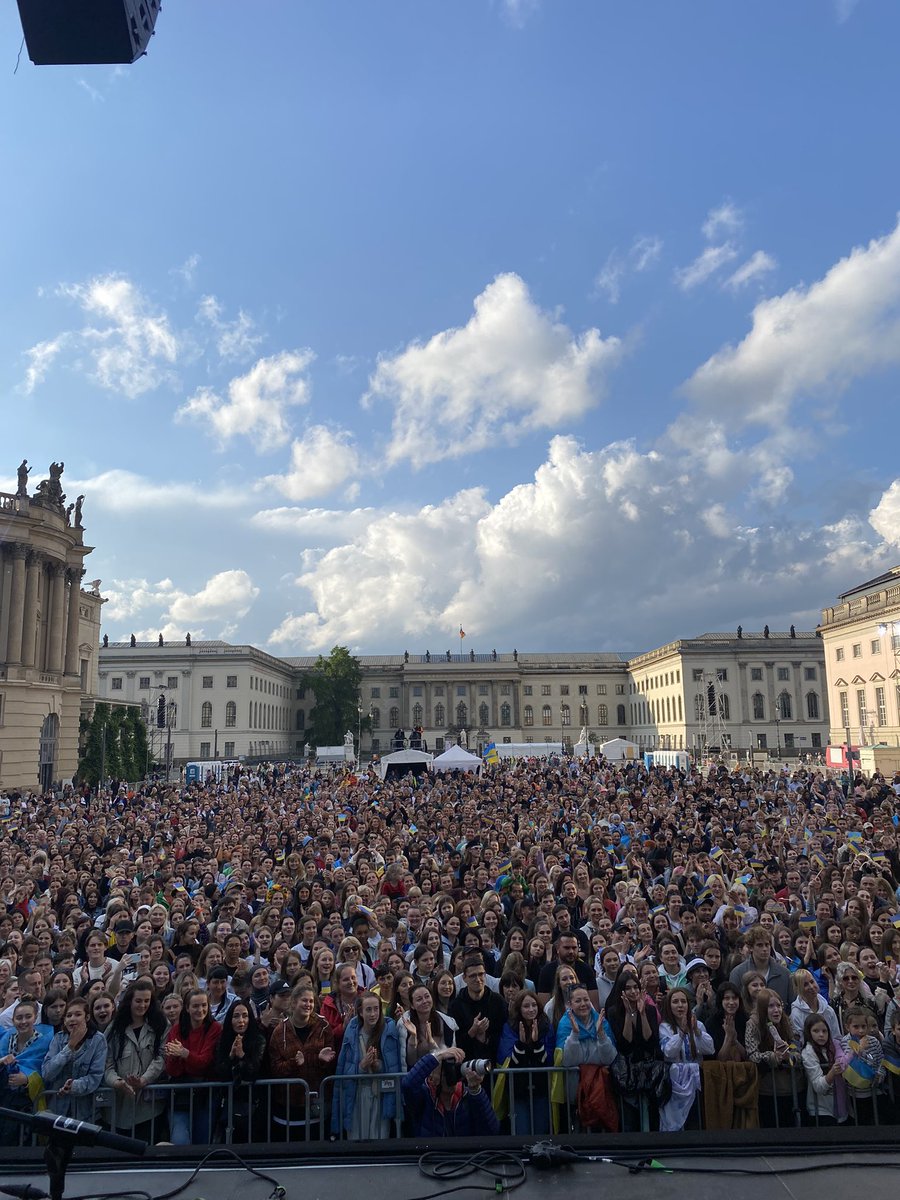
column 757, row 265
column 223, row 598
column 398, row 573
column 706, row 264
column 658, row 546
column 885, row 516
column 841, row 327
column 324, row 524
column 94, row 93
column 644, row 252
column 235, row 340
column 121, row 491
column 844, row 9
column 40, row 359
column 511, row 369
column 724, row 221
column 187, row 272
column 321, row 461
column 129, row 345
column 518, row 11
column 258, row 402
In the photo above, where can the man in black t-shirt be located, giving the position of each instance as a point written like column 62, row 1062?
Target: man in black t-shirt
column 566, row 955
column 479, row 1012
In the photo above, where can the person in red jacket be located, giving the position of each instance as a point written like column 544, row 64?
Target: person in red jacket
column 190, row 1049
column 301, row 1047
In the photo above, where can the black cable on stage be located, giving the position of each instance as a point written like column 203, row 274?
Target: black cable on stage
column 507, row 1171
column 546, row 1155
column 277, row 1192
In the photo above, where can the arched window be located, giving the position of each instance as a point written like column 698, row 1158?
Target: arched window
column 484, row 714
column 206, row 715
column 376, row 718
column 394, row 721
column 440, row 716
column 230, row 714
column 602, row 714
column 620, row 714
column 547, row 715
column 566, row 714
column 462, row 715
column 417, row 714
column 812, row 706
column 301, row 719
column 528, row 715
column 726, row 708
column 505, row 714
column 759, row 706
column 785, row 707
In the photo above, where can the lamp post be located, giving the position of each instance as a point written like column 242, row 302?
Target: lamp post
column 359, row 733
column 778, row 733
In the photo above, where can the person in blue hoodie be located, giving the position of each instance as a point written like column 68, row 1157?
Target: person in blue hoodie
column 75, row 1062
column 363, row 1110
column 22, row 1052
column 443, row 1100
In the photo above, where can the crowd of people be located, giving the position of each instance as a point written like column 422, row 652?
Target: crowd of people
column 552, row 946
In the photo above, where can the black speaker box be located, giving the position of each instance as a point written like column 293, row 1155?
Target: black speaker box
column 59, row 32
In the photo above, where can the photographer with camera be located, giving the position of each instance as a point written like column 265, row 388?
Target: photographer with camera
column 445, row 1096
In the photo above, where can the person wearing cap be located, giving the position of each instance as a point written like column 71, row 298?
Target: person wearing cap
column 221, row 997
column 700, row 990
column 278, row 1007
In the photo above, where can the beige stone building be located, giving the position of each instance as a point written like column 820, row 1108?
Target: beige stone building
column 237, row 700
column 49, row 633
column 861, row 637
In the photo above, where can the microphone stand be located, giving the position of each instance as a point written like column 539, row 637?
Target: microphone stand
column 63, row 1134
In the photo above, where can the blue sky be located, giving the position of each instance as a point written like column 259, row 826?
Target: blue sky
column 576, row 323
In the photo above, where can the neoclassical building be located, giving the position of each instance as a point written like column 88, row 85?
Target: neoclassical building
column 49, row 633
column 861, row 637
column 741, row 691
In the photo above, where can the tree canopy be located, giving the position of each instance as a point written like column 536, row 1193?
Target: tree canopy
column 335, row 681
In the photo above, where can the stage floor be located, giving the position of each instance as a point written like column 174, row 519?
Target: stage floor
column 872, row 1174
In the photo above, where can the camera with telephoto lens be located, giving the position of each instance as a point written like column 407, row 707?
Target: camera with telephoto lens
column 480, row 1066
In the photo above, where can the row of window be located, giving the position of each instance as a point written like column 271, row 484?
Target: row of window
column 866, row 716
column 505, row 689
column 875, row 648
column 144, row 682
column 269, row 686
column 206, row 750
column 206, row 715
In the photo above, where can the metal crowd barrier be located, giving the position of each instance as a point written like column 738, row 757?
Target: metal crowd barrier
column 537, row 1101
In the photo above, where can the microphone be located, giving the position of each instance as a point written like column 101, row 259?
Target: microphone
column 51, row 1125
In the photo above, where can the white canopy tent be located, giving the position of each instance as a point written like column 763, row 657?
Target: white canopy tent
column 528, row 749
column 617, row 749
column 457, row 759
column 407, row 759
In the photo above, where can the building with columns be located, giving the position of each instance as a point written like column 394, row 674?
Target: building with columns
column 238, row 700
column 861, row 637
column 49, row 633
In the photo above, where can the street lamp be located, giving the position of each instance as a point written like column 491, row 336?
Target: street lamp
column 777, row 732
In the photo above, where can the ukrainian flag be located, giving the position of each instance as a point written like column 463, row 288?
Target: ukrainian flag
column 491, row 755
column 504, row 868
column 891, row 1058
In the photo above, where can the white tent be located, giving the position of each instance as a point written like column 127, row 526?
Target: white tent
column 457, row 759
column 617, row 749
column 528, row 749
column 405, row 758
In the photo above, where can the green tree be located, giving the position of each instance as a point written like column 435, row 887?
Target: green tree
column 115, row 766
column 139, row 743
column 335, row 681
column 91, row 759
